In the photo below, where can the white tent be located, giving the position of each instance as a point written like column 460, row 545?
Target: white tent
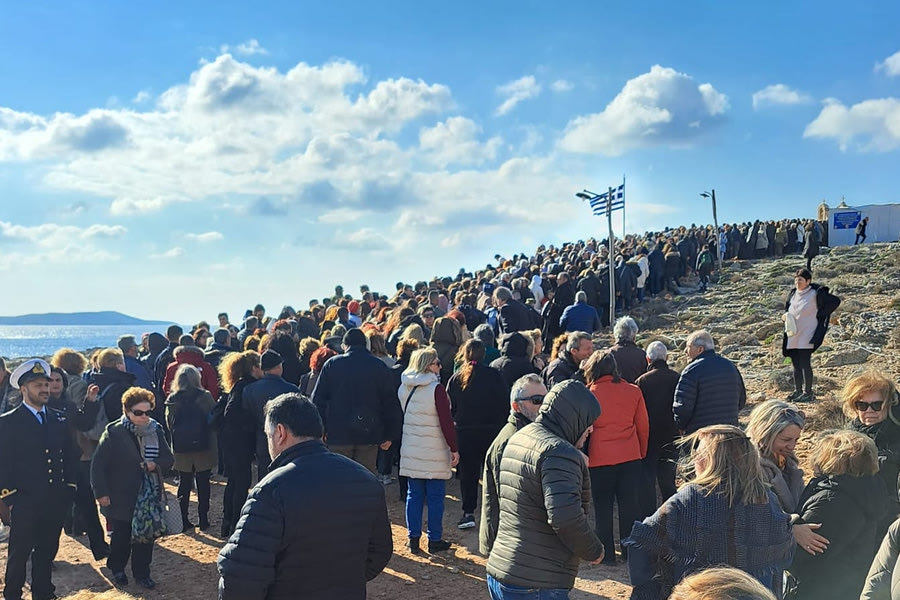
column 884, row 223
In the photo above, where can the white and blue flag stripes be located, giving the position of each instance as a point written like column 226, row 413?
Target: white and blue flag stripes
column 598, row 202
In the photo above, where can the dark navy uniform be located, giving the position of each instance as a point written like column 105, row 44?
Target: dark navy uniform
column 38, row 470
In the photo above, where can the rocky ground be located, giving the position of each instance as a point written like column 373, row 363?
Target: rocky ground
column 742, row 311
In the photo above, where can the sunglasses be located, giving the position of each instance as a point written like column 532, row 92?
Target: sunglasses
column 864, row 406
column 536, row 400
column 141, row 413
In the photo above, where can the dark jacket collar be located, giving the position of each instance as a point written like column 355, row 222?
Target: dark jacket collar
column 296, row 451
column 658, row 365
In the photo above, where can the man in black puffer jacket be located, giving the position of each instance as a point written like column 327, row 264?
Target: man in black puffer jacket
column 545, row 494
column 710, row 390
column 515, row 358
column 297, row 540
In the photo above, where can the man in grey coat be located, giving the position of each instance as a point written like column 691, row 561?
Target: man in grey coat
column 543, row 529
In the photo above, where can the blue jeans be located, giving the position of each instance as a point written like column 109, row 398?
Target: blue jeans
column 421, row 490
column 501, row 591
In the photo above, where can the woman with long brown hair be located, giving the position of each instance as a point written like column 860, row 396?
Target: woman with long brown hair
column 479, row 401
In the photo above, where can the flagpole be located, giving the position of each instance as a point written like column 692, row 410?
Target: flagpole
column 623, row 206
column 612, row 255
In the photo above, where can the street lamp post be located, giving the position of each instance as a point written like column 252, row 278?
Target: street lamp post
column 716, row 225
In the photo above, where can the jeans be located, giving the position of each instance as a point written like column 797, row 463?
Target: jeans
column 501, row 591
column 421, row 490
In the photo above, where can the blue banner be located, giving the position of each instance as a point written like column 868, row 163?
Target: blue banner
column 847, row 220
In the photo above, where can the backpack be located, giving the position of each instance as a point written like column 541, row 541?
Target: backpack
column 101, row 421
column 190, row 424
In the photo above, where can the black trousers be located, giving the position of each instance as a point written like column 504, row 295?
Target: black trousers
column 615, row 484
column 473, row 446
column 858, row 236
column 801, row 360
column 34, row 532
column 121, row 547
column 658, row 468
column 186, row 484
column 86, row 507
column 239, row 471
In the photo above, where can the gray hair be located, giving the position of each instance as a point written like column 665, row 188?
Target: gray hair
column 657, row 351
column 502, row 294
column 485, row 334
column 187, row 377
column 518, row 389
column 581, row 297
column 625, row 329
column 701, row 339
column 575, row 338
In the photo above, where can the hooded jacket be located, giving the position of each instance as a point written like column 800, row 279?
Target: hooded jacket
column 545, row 494
column 191, row 355
column 849, row 509
column 446, row 339
column 883, row 580
column 514, row 361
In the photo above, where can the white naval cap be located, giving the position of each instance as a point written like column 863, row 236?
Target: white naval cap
column 28, row 370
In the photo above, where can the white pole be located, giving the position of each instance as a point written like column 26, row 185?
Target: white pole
column 612, row 255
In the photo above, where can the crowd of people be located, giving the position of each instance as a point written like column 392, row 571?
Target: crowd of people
column 504, row 378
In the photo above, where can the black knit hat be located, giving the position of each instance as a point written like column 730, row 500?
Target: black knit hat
column 269, row 360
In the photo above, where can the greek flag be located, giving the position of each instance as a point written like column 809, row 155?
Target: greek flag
column 599, row 202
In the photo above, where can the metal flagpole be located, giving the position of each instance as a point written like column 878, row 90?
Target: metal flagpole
column 623, row 207
column 612, row 255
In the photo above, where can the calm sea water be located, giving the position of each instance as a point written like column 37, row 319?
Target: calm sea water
column 18, row 341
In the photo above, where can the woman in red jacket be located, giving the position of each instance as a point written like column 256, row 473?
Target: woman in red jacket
column 615, row 449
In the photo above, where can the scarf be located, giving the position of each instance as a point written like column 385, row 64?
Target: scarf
column 694, row 530
column 146, row 436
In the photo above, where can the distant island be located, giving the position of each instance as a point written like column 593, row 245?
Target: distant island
column 107, row 317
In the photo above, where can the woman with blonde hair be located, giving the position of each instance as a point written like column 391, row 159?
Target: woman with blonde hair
column 720, row 583
column 429, row 449
column 193, row 441
column 847, row 497
column 725, row 513
column 775, row 428
column 869, row 400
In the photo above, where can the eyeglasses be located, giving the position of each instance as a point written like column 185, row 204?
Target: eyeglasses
column 537, row 399
column 864, row 406
column 141, row 413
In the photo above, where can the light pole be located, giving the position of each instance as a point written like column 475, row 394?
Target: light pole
column 716, row 225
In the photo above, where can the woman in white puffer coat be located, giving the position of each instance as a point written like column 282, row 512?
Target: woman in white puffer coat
column 429, row 450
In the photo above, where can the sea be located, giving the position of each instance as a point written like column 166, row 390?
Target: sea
column 27, row 341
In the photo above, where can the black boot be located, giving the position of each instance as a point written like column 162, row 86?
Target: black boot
column 438, row 546
column 414, row 545
column 185, row 502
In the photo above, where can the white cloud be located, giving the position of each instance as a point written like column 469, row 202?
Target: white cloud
column 249, row 48
column 659, row 108
column 517, row 91
column 562, row 85
column 779, row 95
column 455, row 141
column 169, row 254
column 890, row 66
column 141, row 97
column 51, row 243
column 205, row 238
column 868, row 126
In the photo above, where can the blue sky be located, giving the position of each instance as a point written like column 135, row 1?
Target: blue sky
column 172, row 161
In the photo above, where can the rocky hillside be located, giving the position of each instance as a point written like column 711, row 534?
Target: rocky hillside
column 743, row 313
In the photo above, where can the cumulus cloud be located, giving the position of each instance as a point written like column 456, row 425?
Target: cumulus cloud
column 868, row 126
column 889, row 66
column 51, row 243
column 516, row 91
column 249, row 48
column 455, row 141
column 205, row 238
column 779, row 95
column 169, row 254
column 562, row 85
column 659, row 108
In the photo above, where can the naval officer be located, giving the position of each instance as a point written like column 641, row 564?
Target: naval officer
column 38, row 467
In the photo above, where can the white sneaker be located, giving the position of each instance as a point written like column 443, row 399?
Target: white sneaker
column 387, row 480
